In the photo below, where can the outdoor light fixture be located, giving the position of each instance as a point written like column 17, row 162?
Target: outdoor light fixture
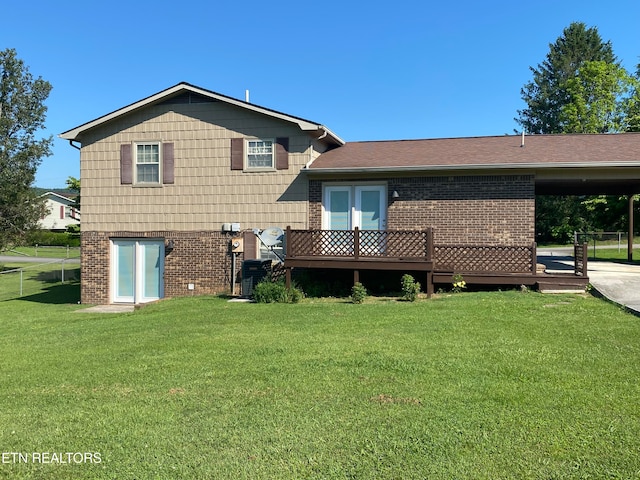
column 395, row 194
column 168, row 248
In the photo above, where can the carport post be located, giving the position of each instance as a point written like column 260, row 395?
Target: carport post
column 630, row 237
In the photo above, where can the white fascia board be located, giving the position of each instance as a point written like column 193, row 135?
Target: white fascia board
column 304, row 125
column 493, row 166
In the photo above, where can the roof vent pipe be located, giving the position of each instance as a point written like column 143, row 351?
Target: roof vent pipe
column 522, row 141
column 246, row 96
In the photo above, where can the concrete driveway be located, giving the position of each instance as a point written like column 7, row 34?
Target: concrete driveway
column 619, row 282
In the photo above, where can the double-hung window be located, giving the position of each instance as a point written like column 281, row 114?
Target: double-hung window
column 147, row 163
column 260, row 154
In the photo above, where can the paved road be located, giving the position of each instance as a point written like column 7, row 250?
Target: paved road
column 21, row 259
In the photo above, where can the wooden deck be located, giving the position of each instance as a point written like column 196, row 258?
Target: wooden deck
column 415, row 251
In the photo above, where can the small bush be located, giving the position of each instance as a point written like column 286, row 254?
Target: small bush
column 458, row 283
column 410, row 288
column 268, row 291
column 358, row 293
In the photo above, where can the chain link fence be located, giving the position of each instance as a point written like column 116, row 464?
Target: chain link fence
column 595, row 240
column 23, row 274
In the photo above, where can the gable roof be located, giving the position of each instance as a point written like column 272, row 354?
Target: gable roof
column 306, row 125
column 503, row 152
column 59, row 197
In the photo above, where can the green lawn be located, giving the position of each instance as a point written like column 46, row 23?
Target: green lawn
column 473, row 385
column 36, row 279
column 612, row 254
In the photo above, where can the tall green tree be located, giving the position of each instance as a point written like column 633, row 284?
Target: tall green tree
column 22, row 117
column 546, row 94
column 632, row 105
column 596, row 99
column 73, row 184
column 580, row 87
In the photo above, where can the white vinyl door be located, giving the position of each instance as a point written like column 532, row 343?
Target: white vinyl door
column 137, row 270
column 346, row 207
column 370, row 211
column 370, row 217
column 349, row 206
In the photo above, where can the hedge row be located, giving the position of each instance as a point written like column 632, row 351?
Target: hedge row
column 44, row 237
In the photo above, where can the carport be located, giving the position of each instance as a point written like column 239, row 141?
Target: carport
column 605, row 174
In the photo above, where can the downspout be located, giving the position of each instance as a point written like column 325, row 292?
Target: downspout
column 308, row 164
column 74, row 146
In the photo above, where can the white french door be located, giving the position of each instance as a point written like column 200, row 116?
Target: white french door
column 346, row 207
column 137, row 269
column 370, row 210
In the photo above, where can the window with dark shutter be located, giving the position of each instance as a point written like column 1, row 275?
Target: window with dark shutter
column 167, row 163
column 282, row 153
column 126, row 165
column 237, row 153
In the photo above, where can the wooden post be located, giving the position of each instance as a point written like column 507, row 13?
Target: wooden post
column 288, row 278
column 287, row 242
column 356, row 243
column 630, row 237
column 356, row 276
column 429, row 284
column 429, row 244
column 534, row 261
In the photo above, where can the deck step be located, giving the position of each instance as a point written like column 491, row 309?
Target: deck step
column 562, row 287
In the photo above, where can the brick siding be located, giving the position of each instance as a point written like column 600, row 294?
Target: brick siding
column 200, row 258
column 472, row 210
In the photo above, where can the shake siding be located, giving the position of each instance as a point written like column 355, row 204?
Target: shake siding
column 206, row 193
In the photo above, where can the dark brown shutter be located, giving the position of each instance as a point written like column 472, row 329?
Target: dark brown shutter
column 282, row 153
column 126, row 166
column 249, row 244
column 237, row 153
column 167, row 163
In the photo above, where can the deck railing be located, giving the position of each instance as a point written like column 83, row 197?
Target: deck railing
column 356, row 244
column 580, row 259
column 410, row 245
column 486, row 258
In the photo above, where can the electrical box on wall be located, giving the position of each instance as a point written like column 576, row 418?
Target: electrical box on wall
column 237, row 244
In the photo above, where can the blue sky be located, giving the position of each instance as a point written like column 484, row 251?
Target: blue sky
column 367, row 70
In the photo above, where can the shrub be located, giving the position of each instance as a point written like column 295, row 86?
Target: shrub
column 52, row 239
column 268, row 291
column 410, row 288
column 458, row 283
column 358, row 293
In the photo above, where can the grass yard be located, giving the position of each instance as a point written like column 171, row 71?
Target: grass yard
column 473, row 385
column 37, row 280
column 613, row 255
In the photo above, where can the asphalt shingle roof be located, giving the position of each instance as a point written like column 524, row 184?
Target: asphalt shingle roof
column 484, row 151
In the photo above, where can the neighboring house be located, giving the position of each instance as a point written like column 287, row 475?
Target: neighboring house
column 169, row 181
column 61, row 212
